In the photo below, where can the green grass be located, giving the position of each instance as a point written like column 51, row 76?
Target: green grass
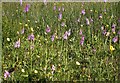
column 100, row 65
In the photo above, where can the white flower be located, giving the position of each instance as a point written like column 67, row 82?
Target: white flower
column 8, row 39
column 108, row 33
column 35, row 71
column 77, row 63
column 53, row 68
column 23, row 70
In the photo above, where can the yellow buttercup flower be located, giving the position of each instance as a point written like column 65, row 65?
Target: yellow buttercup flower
column 107, row 25
column 31, row 29
column 23, row 70
column 77, row 63
column 35, row 71
column 114, row 32
column 112, row 48
column 28, row 20
column 26, row 25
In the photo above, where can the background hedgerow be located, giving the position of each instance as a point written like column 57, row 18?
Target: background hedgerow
column 60, row 41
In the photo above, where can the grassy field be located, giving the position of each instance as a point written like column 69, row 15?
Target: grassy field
column 61, row 41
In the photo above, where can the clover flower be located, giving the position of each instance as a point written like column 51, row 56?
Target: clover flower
column 67, row 33
column 53, row 69
column 115, row 39
column 31, row 37
column 20, row 2
column 22, row 31
column 60, row 16
column 82, row 40
column 65, row 36
column 53, row 37
column 104, row 32
column 48, row 29
column 80, row 32
column 113, row 28
column 26, row 9
column 6, row 74
column 17, row 44
column 54, row 8
column 83, row 12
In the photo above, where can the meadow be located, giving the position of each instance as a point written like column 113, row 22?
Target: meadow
column 61, row 41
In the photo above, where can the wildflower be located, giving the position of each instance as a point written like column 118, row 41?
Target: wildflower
column 53, row 68
column 78, row 20
column 45, row 2
column 100, row 16
column 65, row 36
column 115, row 39
column 112, row 48
column 82, row 40
column 31, row 37
column 60, row 16
column 20, row 23
column 107, row 25
column 20, row 2
column 108, row 33
column 83, row 11
column 80, row 32
column 91, row 20
column 23, row 70
column 104, row 32
column 31, row 29
column 52, row 38
column 26, row 25
column 87, row 21
column 35, row 71
column 67, row 33
column 8, row 39
column 102, row 28
column 81, row 25
column 54, row 8
column 113, row 30
column 105, row 0
column 77, row 63
column 27, row 8
column 6, row 74
column 113, row 26
column 91, row 10
column 18, row 32
column 28, row 20
column 48, row 29
column 17, row 44
column 22, row 31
